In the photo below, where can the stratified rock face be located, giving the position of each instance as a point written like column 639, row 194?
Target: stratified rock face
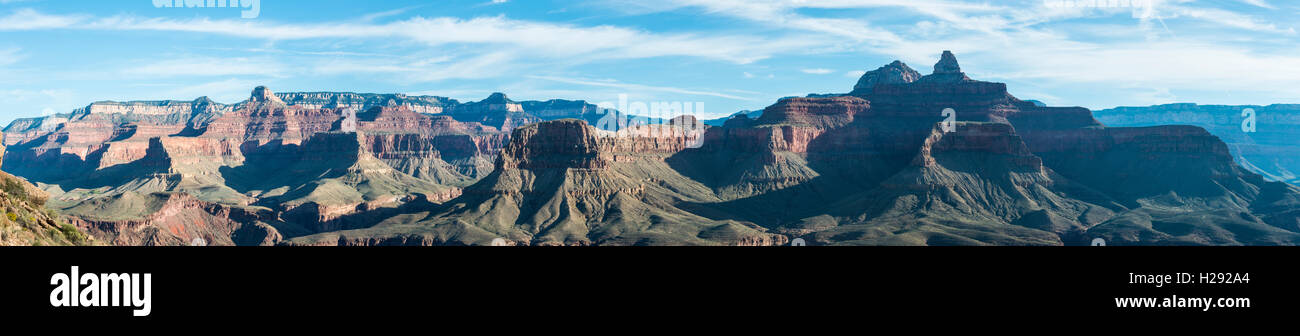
column 986, row 139
column 263, row 95
column 557, row 144
column 814, row 112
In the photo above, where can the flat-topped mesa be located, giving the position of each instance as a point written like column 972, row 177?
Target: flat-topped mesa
column 499, row 102
column 263, row 95
column 496, row 111
column 572, row 143
column 401, row 119
column 892, row 73
column 559, row 144
column 560, row 108
column 366, row 101
column 814, row 112
column 139, row 107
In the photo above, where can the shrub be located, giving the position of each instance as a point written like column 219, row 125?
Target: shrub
column 70, row 231
column 14, row 188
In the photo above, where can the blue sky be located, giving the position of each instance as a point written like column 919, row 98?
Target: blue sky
column 731, row 55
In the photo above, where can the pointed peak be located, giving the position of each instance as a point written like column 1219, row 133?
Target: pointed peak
column 497, row 97
column 896, row 72
column 947, row 64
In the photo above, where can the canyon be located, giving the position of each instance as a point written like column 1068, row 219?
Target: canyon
column 880, row 165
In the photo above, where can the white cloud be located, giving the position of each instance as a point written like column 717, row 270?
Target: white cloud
column 10, row 56
column 537, row 38
column 207, row 66
column 42, row 100
column 1022, row 41
column 28, row 19
column 228, row 91
column 1259, row 3
column 637, row 87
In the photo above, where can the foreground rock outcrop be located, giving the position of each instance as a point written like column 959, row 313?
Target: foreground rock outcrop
column 26, row 222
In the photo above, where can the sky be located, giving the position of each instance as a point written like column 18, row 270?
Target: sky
column 726, row 55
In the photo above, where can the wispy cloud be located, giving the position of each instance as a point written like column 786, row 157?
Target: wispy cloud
column 10, row 56
column 207, row 67
column 1259, row 3
column 29, row 19
column 229, row 90
column 538, row 38
column 1238, row 46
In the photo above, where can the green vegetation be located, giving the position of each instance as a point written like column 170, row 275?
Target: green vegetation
column 27, row 222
